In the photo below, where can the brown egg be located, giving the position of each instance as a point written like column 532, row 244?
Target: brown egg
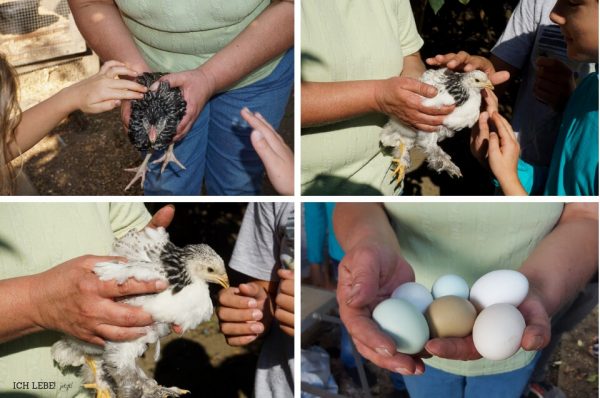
column 450, row 316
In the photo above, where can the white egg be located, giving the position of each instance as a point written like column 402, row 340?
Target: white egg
column 500, row 286
column 414, row 293
column 450, row 285
column 498, row 331
column 404, row 323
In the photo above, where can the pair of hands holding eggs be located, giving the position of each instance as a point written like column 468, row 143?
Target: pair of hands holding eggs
column 488, row 312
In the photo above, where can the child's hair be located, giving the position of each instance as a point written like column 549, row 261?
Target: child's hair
column 10, row 116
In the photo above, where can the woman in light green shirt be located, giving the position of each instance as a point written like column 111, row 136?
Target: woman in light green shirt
column 554, row 245
column 47, row 287
column 360, row 61
column 224, row 56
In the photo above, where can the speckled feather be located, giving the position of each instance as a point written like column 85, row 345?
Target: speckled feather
column 164, row 103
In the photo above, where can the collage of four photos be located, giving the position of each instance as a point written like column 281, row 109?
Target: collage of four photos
column 309, row 198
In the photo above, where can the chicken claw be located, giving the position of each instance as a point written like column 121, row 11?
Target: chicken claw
column 140, row 172
column 167, row 158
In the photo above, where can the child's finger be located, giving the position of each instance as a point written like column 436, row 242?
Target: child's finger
column 124, row 84
column 504, row 128
column 227, row 314
column 118, row 70
column 116, row 94
column 240, row 340
column 230, row 298
column 104, row 106
column 241, row 329
column 493, row 145
column 109, row 64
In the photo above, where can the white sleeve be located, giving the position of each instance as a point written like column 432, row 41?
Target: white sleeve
column 517, row 40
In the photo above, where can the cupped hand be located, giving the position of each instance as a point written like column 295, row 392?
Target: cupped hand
column 554, row 82
column 535, row 336
column 368, row 274
column 402, row 97
column 276, row 156
column 71, row 298
column 284, row 301
column 197, row 88
column 465, row 62
column 243, row 313
column 105, row 91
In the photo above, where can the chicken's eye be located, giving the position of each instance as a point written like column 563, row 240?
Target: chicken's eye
column 477, row 80
column 211, row 270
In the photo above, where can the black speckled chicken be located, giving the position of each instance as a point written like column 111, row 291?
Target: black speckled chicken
column 153, row 123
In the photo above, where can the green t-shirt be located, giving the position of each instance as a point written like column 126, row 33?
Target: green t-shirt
column 344, row 41
column 33, row 238
column 181, row 35
column 470, row 239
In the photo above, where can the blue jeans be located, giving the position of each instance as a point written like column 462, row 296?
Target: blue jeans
column 437, row 383
column 217, row 149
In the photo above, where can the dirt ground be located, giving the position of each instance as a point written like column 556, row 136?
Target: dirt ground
column 87, row 155
column 573, row 369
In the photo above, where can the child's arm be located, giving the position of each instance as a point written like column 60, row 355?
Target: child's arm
column 99, row 93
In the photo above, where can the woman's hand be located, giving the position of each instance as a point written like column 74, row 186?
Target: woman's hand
column 402, row 97
column 535, row 336
column 197, row 88
column 71, row 298
column 276, row 156
column 465, row 62
column 105, row 91
column 368, row 274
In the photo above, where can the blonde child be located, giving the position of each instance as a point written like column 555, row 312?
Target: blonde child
column 19, row 131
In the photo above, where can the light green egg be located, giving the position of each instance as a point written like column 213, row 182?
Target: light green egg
column 404, row 323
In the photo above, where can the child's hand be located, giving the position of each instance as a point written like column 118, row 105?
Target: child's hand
column 276, row 156
column 554, row 82
column 503, row 154
column 284, row 310
column 242, row 313
column 479, row 140
column 463, row 61
column 105, row 91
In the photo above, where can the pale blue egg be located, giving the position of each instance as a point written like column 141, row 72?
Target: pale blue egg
column 404, row 323
column 414, row 293
column 450, row 285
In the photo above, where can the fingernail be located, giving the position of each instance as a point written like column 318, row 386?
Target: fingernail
column 252, row 303
column 256, row 314
column 402, row 371
column 353, row 292
column 161, row 285
column 256, row 328
column 418, row 372
column 245, row 109
column 383, row 351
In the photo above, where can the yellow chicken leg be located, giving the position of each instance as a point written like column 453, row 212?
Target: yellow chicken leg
column 401, row 167
column 100, row 393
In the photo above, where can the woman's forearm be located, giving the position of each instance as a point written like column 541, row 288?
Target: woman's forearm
column 15, row 306
column 565, row 260
column 324, row 103
column 39, row 120
column 100, row 23
column 355, row 223
column 268, row 36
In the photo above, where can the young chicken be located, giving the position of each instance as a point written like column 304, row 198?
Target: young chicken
column 112, row 370
column 153, row 123
column 460, row 89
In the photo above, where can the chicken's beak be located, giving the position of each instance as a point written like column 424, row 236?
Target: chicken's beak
column 489, row 85
column 223, row 280
column 152, row 134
